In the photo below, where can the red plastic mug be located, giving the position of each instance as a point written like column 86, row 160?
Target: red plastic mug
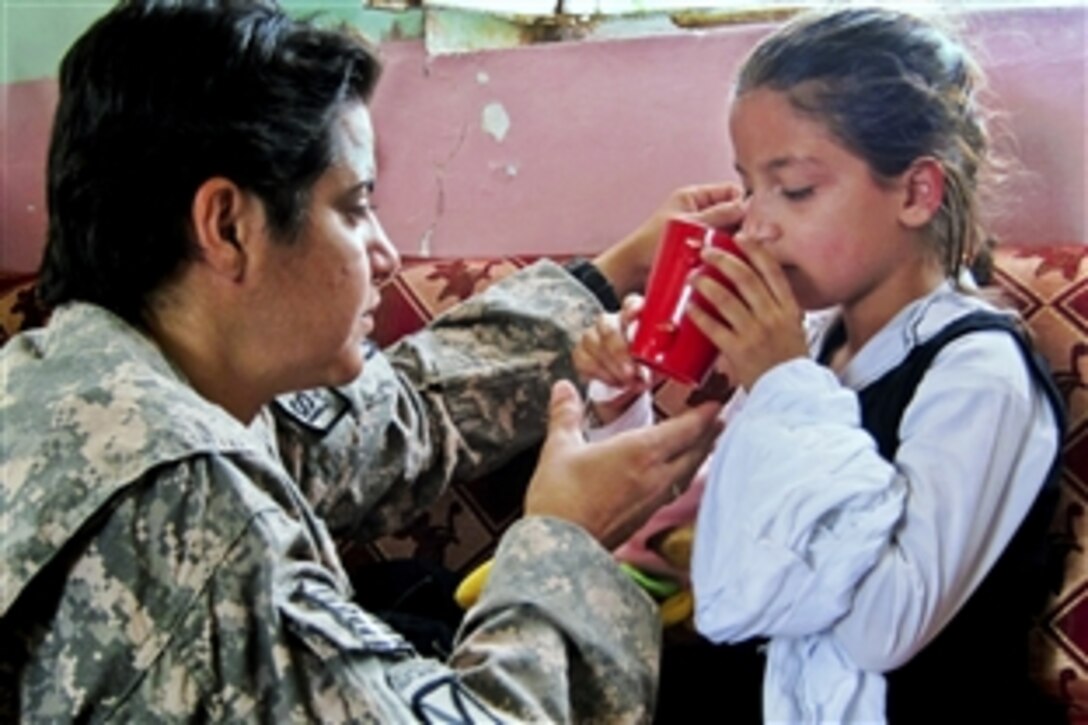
column 666, row 339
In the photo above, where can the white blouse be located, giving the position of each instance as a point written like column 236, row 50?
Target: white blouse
column 848, row 563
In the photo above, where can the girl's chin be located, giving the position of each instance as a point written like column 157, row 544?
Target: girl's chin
column 808, row 299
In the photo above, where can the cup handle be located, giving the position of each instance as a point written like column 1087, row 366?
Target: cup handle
column 682, row 301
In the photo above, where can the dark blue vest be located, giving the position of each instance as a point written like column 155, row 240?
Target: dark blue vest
column 976, row 669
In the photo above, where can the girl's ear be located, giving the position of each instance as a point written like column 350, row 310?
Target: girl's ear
column 924, row 186
column 218, row 212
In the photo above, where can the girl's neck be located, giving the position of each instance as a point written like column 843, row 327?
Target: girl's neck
column 864, row 317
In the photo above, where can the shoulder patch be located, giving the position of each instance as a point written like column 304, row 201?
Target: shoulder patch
column 317, row 410
column 332, row 624
column 449, row 702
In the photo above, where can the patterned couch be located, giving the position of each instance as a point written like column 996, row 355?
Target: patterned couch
column 1048, row 284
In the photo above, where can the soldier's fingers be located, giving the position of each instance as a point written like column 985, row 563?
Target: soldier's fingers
column 673, row 437
column 706, row 195
column 565, row 414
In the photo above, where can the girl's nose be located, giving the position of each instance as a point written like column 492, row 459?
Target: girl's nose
column 756, row 227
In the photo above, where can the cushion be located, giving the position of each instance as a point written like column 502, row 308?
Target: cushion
column 19, row 308
column 1049, row 285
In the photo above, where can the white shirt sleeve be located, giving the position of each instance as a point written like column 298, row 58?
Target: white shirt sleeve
column 976, row 445
column 805, row 527
column 798, row 507
column 639, row 414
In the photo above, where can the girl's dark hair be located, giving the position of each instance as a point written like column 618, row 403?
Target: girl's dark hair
column 892, row 88
column 160, row 95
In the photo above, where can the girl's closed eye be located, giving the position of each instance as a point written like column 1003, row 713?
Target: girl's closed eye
column 798, row 194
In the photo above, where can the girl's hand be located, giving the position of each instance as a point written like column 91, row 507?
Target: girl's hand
column 603, row 354
column 760, row 325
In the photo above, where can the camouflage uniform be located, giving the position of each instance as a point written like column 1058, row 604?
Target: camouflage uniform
column 159, row 560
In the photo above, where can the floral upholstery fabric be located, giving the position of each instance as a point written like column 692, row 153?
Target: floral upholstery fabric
column 19, row 308
column 1048, row 284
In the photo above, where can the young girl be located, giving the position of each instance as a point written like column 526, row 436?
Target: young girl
column 876, row 508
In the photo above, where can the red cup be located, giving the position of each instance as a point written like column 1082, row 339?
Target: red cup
column 666, row 339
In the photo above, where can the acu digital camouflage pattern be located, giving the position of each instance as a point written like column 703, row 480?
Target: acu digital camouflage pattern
column 158, row 563
column 457, row 399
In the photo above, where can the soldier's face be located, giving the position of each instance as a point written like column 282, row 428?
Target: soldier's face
column 325, row 284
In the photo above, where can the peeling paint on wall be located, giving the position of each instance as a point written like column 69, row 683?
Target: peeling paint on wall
column 495, row 121
column 508, row 169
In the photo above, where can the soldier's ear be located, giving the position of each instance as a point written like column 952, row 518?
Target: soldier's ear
column 220, row 223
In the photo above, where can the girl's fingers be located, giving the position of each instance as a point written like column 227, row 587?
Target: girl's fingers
column 632, row 306
column 588, row 358
column 584, row 362
column 734, row 306
column 770, row 271
column 717, row 331
column 603, row 354
column 750, row 284
column 614, row 354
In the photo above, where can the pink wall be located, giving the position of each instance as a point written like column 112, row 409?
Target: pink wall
column 563, row 147
column 25, row 110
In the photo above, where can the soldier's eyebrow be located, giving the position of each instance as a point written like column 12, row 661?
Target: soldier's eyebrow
column 366, row 186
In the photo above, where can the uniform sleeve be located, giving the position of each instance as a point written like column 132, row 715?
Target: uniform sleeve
column 560, row 634
column 971, row 485
column 454, row 400
column 798, row 507
column 222, row 607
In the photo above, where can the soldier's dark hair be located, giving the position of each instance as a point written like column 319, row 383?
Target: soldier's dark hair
column 160, row 95
column 892, row 88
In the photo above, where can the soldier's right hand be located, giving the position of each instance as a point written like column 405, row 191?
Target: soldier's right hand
column 612, row 486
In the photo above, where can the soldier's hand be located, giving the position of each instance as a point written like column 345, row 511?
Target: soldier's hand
column 611, row 487
column 627, row 263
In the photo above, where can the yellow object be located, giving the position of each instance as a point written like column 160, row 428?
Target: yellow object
column 468, row 591
column 676, row 547
column 674, row 609
column 677, row 608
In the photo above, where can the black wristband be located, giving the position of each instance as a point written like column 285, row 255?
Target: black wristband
column 587, row 273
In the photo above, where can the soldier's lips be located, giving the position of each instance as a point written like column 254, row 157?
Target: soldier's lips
column 367, row 318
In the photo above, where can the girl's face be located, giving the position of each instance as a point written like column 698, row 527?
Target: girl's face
column 817, row 208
